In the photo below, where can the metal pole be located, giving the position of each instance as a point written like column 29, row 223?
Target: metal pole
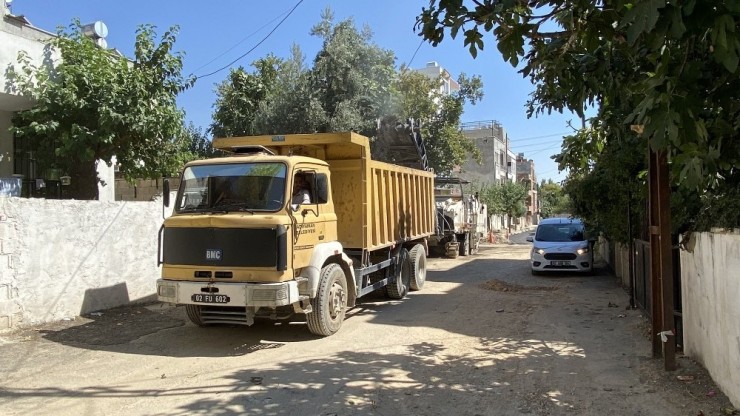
column 631, row 246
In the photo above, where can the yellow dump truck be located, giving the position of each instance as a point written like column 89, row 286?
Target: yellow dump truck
column 290, row 225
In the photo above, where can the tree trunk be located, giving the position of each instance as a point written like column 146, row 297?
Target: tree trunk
column 84, row 185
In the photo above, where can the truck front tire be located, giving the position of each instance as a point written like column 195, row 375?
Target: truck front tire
column 418, row 258
column 330, row 304
column 194, row 315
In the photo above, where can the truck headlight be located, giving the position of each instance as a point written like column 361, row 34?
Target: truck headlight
column 167, row 291
column 581, row 251
column 539, row 251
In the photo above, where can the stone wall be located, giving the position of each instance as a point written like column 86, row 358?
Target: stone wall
column 63, row 258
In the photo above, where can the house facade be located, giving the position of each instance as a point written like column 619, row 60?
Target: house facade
column 17, row 164
column 498, row 161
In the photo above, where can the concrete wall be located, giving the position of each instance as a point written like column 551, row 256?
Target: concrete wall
column 63, row 258
column 710, row 287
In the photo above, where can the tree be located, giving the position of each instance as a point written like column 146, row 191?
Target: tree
column 351, row 76
column 96, row 105
column 353, row 83
column 447, row 146
column 291, row 105
column 669, row 68
column 505, row 198
column 239, row 96
column 198, row 145
column 553, row 200
column 419, row 98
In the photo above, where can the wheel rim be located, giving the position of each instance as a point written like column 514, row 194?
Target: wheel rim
column 336, row 300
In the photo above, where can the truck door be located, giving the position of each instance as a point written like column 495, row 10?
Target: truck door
column 315, row 220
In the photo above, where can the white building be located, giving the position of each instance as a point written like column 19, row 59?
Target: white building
column 447, row 84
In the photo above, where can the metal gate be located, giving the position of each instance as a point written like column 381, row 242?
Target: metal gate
column 643, row 284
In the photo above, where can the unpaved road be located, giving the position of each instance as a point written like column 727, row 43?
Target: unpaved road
column 483, row 337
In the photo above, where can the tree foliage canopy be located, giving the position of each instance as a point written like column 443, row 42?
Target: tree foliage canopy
column 94, row 105
column 350, row 86
column 507, row 198
column 668, row 68
column 553, row 200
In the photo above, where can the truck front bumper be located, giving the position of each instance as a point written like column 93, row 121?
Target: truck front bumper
column 228, row 294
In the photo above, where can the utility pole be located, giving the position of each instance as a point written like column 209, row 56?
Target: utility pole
column 661, row 257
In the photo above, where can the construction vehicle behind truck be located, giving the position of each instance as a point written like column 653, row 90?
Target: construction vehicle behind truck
column 462, row 220
column 238, row 248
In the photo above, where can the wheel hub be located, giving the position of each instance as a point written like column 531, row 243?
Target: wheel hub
column 336, row 300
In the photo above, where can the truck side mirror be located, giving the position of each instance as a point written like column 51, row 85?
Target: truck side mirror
column 166, row 193
column 530, row 239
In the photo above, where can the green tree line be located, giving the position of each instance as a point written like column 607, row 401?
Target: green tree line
column 95, row 104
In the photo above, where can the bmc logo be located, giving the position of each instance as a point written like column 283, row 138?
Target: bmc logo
column 213, row 254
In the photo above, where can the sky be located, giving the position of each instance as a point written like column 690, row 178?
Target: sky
column 213, row 34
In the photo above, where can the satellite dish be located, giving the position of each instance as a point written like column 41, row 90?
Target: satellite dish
column 102, row 43
column 95, row 30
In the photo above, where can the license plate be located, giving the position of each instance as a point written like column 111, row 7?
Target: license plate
column 560, row 263
column 209, row 298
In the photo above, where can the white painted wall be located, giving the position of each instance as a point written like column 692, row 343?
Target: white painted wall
column 63, row 258
column 710, row 290
column 107, row 183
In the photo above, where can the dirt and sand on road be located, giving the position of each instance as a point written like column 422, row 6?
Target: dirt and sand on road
column 483, row 337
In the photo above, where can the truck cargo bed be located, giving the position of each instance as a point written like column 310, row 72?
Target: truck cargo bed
column 377, row 204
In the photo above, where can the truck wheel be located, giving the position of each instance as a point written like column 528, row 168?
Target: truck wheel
column 418, row 267
column 194, row 315
column 330, row 303
column 465, row 245
column 400, row 287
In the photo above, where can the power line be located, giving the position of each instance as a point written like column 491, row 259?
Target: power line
column 414, row 55
column 535, row 144
column 542, row 150
column 539, row 137
column 255, row 46
column 241, row 41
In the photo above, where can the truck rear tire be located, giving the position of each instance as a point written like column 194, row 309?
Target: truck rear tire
column 418, row 258
column 465, row 245
column 400, row 287
column 330, row 304
column 194, row 315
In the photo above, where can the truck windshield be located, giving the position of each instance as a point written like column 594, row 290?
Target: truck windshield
column 232, row 187
column 560, row 232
